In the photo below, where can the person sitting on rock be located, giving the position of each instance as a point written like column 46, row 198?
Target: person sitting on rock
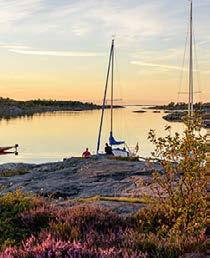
column 86, row 153
column 108, row 149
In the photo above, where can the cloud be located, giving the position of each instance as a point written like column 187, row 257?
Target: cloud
column 160, row 55
column 81, row 18
column 13, row 11
column 162, row 66
column 171, row 67
column 56, row 53
column 14, row 46
column 130, row 22
column 133, row 22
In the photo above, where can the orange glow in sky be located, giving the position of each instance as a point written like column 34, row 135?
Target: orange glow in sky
column 59, row 49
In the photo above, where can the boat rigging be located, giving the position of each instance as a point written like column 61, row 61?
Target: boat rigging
column 117, row 151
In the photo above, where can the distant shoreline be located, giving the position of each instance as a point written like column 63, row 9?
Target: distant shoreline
column 175, row 112
column 181, row 106
column 10, row 108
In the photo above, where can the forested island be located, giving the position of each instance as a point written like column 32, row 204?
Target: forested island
column 177, row 111
column 13, row 108
column 172, row 106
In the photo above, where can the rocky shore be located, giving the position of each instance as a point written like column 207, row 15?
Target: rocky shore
column 177, row 116
column 82, row 179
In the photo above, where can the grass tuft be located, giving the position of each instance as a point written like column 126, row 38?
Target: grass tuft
column 113, row 199
column 130, row 159
column 13, row 172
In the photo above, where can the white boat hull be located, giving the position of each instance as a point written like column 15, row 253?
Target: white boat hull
column 120, row 153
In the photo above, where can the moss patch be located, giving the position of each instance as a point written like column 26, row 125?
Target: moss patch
column 130, row 159
column 114, row 199
column 13, row 172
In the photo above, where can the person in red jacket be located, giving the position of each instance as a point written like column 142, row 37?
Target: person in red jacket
column 86, row 153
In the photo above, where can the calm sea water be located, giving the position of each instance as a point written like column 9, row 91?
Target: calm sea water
column 54, row 136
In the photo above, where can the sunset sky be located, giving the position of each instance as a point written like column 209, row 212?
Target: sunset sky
column 59, row 49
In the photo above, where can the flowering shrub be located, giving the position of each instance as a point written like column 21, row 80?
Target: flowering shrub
column 51, row 248
column 37, row 218
column 157, row 246
column 89, row 231
column 91, row 224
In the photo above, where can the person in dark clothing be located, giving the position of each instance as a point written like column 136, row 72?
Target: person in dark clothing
column 108, row 149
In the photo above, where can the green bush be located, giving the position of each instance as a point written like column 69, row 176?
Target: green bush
column 12, row 227
column 153, row 219
column 11, row 205
column 174, row 223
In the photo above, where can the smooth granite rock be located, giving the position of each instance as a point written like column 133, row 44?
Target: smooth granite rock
column 81, row 178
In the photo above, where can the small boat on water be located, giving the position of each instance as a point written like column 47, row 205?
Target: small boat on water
column 139, row 111
column 119, row 148
column 9, row 150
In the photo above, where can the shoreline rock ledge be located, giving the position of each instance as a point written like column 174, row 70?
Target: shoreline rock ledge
column 80, row 178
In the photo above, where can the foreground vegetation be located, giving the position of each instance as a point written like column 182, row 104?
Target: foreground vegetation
column 31, row 227
column 170, row 225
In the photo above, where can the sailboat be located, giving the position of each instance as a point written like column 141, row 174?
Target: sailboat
column 9, row 150
column 191, row 90
column 119, row 148
column 191, row 79
column 206, row 116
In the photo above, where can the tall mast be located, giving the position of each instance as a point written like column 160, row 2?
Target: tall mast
column 112, row 85
column 104, row 99
column 190, row 104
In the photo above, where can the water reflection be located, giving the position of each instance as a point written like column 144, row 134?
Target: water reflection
column 53, row 136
